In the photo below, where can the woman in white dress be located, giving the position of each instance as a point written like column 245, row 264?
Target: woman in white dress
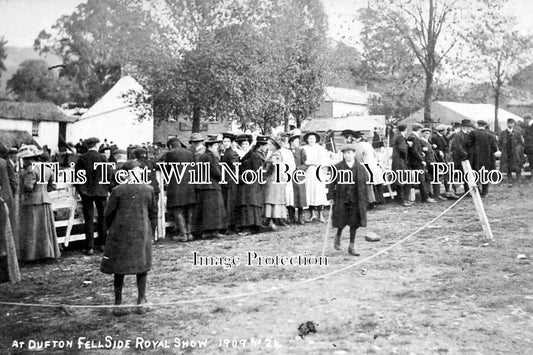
column 366, row 154
column 314, row 188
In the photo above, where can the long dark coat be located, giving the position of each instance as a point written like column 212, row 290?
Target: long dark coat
column 459, row 148
column 528, row 140
column 250, row 194
column 483, row 145
column 399, row 152
column 349, row 199
column 131, row 216
column 415, row 154
column 300, row 198
column 182, row 193
column 210, row 212
column 512, row 148
column 442, row 146
column 94, row 186
column 229, row 190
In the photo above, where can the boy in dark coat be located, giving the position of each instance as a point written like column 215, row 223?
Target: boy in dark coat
column 349, row 197
column 131, row 215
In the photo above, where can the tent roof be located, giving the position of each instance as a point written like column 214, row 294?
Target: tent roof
column 357, row 123
column 449, row 112
column 351, row 96
column 33, row 111
column 114, row 99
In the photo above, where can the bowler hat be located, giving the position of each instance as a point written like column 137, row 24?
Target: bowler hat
column 466, row 123
column 175, row 142
column 308, row 134
column 196, row 137
column 348, row 132
column 348, row 147
column 29, row 151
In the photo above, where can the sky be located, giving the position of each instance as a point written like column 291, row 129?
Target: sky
column 22, row 20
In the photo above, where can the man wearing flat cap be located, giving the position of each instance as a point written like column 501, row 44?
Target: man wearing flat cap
column 349, row 198
column 528, row 141
column 141, row 156
column 512, row 148
column 399, row 163
column 440, row 146
column 416, row 161
column 483, row 145
column 197, row 147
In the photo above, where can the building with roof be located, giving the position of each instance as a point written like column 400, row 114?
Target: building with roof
column 444, row 112
column 44, row 121
column 115, row 118
column 342, row 102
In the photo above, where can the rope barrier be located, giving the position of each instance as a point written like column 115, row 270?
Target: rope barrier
column 247, row 294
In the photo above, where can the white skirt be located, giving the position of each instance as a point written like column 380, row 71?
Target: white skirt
column 315, row 189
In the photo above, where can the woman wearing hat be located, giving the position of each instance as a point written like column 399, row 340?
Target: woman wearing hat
column 131, row 216
column 209, row 213
column 366, row 154
column 275, row 205
column 38, row 238
column 229, row 190
column 300, row 197
column 314, row 188
column 250, row 198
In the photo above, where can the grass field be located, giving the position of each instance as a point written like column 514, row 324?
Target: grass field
column 444, row 291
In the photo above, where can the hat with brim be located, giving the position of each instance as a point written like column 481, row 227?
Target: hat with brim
column 466, row 123
column 244, row 138
column 12, row 151
column 442, row 127
column 196, row 137
column 348, row 132
column 482, row 123
column 120, row 151
column 293, row 137
column 140, row 152
column 261, row 139
column 527, row 116
column 29, row 151
column 229, row 135
column 309, row 134
column 426, row 130
column 212, row 140
column 511, row 120
column 348, row 147
column 416, row 127
column 91, row 142
column 275, row 143
column 174, row 142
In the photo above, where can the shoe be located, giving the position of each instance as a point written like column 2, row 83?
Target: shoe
column 88, row 251
column 430, row 200
column 351, row 251
column 451, row 196
column 442, row 198
column 142, row 308
column 180, row 238
column 283, row 222
column 406, row 204
column 119, row 311
column 272, row 227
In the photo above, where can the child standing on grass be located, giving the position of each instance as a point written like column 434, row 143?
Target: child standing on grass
column 131, row 216
column 348, row 197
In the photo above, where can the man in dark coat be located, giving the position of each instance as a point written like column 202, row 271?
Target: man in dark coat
column 141, row 155
column 430, row 159
column 349, row 198
column 93, row 193
column 483, row 145
column 460, row 148
column 399, row 163
column 229, row 190
column 416, row 161
column 512, row 148
column 131, row 214
column 180, row 195
column 528, row 141
column 197, row 147
column 440, row 146
column 209, row 212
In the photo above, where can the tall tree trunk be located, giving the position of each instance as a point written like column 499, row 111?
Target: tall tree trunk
column 428, row 96
column 497, row 91
column 196, row 119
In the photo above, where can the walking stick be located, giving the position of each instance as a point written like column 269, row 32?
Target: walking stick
column 328, row 225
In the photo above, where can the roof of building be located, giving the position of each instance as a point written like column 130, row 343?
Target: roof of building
column 33, row 111
column 351, row 96
column 115, row 99
column 15, row 139
column 356, row 123
column 449, row 112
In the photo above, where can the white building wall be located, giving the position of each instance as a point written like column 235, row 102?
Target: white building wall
column 341, row 109
column 48, row 131
column 120, row 127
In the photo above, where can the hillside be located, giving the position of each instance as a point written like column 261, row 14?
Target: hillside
column 15, row 56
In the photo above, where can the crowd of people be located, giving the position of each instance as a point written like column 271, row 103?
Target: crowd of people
column 127, row 213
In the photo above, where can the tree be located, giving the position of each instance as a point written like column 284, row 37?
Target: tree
column 3, row 54
column 33, row 82
column 432, row 29
column 503, row 52
column 96, row 42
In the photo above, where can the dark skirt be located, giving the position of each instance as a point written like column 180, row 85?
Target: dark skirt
column 209, row 213
column 229, row 194
column 300, row 198
column 248, row 216
column 38, row 238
